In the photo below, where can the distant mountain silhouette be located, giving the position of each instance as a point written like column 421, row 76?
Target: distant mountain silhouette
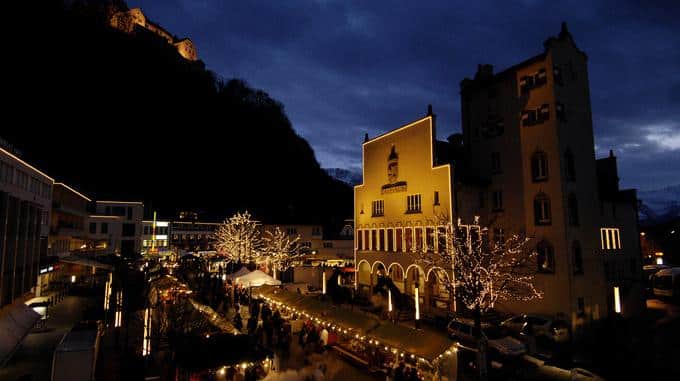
column 660, row 205
column 123, row 116
column 345, row 175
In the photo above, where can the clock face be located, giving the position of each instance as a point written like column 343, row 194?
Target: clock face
column 392, row 171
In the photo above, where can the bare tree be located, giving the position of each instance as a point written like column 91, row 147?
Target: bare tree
column 280, row 249
column 239, row 238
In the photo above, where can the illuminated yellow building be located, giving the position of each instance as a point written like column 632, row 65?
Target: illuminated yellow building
column 405, row 195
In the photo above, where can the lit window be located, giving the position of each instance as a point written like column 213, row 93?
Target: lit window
column 378, row 208
column 542, row 209
column 545, row 258
column 499, row 235
column 610, row 239
column 408, row 239
column 413, row 203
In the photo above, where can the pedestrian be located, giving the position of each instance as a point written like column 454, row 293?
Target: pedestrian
column 252, row 325
column 238, row 322
column 399, row 372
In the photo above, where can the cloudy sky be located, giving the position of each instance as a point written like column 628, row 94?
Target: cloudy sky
column 342, row 68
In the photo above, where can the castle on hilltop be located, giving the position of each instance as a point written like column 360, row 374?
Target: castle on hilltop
column 134, row 19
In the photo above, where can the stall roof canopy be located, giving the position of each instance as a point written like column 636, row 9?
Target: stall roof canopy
column 322, row 309
column 424, row 343
column 257, row 278
column 16, row 320
column 241, row 272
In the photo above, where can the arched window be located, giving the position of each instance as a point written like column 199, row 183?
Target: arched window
column 542, row 214
column 546, row 257
column 397, row 274
column 539, row 166
column 572, row 205
column 577, row 257
column 570, row 167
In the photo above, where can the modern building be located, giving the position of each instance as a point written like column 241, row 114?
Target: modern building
column 68, row 230
column 404, row 198
column 117, row 226
column 25, row 202
column 192, row 235
column 528, row 167
column 155, row 236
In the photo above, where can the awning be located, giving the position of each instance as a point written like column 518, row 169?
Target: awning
column 16, row 320
column 86, row 262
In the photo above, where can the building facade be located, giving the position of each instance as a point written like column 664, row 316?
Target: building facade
column 404, row 198
column 25, row 202
column 68, row 231
column 190, row 235
column 155, row 236
column 529, row 167
column 116, row 226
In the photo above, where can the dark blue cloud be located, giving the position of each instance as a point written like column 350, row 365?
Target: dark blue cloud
column 344, row 68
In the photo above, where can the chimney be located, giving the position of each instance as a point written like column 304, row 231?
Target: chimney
column 429, row 110
column 366, row 137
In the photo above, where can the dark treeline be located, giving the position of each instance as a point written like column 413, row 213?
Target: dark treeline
column 123, row 116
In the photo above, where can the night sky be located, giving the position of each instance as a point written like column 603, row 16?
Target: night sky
column 344, row 68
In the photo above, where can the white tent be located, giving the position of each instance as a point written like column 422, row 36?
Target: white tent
column 257, row 278
column 241, row 272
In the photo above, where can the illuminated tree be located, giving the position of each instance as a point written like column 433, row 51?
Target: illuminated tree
column 484, row 271
column 239, row 239
column 280, row 249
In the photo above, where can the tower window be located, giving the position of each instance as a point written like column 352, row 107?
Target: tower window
column 436, row 198
column 498, row 200
column 539, row 166
column 577, row 255
column 496, row 162
column 560, row 112
column 542, row 210
column 545, row 257
column 570, row 167
column 572, row 205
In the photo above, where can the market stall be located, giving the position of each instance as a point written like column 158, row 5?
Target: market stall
column 366, row 340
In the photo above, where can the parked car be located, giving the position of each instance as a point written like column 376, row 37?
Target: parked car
column 649, row 271
column 499, row 342
column 666, row 283
column 555, row 330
